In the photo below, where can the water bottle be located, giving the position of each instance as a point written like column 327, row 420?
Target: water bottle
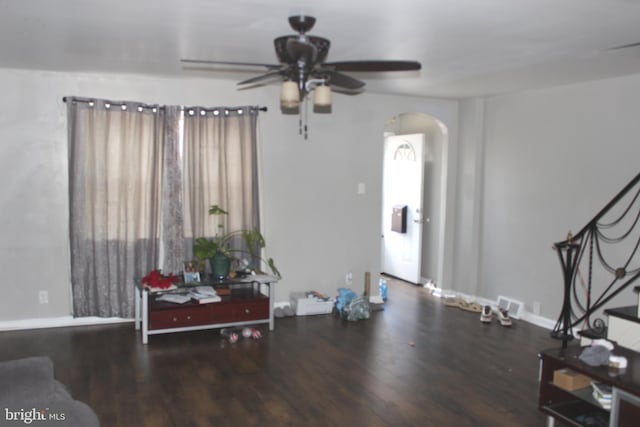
column 382, row 286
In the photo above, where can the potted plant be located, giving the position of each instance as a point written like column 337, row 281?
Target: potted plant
column 219, row 253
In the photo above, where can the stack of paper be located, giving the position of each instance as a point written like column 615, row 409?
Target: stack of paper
column 204, row 294
column 602, row 393
column 174, row 298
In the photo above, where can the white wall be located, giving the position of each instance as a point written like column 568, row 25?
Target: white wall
column 553, row 158
column 469, row 196
column 527, row 168
column 317, row 227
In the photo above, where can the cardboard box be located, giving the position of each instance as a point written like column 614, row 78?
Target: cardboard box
column 570, row 380
column 304, row 305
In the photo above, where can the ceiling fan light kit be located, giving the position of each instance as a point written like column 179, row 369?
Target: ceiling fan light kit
column 303, row 69
column 322, row 96
column 289, row 95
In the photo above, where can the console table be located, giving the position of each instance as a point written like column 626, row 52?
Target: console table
column 250, row 302
column 579, row 408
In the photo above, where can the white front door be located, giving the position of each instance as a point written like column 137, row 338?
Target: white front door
column 403, row 180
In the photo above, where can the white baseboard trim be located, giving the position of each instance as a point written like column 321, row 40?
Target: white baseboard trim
column 58, row 322
column 537, row 320
column 66, row 321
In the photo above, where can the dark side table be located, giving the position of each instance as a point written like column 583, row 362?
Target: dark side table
column 579, row 407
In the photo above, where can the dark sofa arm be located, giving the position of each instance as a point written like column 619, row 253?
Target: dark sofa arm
column 28, row 388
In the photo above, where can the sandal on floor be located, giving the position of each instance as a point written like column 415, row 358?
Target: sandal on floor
column 503, row 317
column 462, row 304
column 470, row 306
column 452, row 301
column 487, row 314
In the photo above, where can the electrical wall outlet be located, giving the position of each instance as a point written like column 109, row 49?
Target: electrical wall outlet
column 43, row 297
column 348, row 279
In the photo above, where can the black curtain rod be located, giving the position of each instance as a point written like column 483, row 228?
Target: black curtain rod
column 65, row 99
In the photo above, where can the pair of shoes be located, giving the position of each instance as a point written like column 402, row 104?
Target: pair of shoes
column 503, row 317
column 487, row 314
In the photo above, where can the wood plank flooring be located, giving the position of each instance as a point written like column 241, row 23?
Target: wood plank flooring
column 417, row 363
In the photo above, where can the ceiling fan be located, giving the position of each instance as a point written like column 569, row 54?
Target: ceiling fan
column 302, row 68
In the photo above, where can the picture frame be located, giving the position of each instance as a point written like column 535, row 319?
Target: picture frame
column 192, row 271
column 191, row 277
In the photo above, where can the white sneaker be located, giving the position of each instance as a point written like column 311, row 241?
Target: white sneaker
column 503, row 317
column 486, row 316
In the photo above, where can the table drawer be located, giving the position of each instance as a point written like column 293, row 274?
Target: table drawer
column 180, row 317
column 253, row 310
column 205, row 314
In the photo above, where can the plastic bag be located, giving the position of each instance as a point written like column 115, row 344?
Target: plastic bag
column 345, row 296
column 351, row 306
column 358, row 309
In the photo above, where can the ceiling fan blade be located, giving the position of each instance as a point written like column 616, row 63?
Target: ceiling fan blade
column 344, row 81
column 244, row 64
column 374, row 65
column 260, row 78
column 625, row 46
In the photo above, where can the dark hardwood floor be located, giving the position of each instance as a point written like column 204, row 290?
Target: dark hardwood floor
column 417, row 363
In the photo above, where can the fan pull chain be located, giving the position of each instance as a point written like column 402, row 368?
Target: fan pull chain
column 306, row 117
column 300, row 123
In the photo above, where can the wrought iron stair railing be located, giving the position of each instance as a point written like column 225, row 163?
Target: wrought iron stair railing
column 598, row 263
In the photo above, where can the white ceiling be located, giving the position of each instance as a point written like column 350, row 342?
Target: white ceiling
column 466, row 47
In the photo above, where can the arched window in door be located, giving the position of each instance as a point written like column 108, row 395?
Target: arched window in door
column 405, row 152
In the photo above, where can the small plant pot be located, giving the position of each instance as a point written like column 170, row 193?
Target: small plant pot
column 220, row 265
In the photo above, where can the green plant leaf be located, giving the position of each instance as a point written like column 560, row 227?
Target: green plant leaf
column 253, row 240
column 273, row 268
column 216, row 210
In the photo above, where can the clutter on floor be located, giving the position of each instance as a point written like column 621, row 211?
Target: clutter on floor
column 282, row 312
column 234, row 334
column 487, row 312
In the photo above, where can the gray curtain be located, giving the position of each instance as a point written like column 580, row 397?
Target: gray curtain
column 137, row 196
column 115, row 184
column 172, row 235
column 220, row 168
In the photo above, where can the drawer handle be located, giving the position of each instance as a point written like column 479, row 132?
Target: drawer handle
column 247, row 311
column 188, row 317
column 175, row 319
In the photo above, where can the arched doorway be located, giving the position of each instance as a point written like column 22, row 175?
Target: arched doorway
column 403, row 132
